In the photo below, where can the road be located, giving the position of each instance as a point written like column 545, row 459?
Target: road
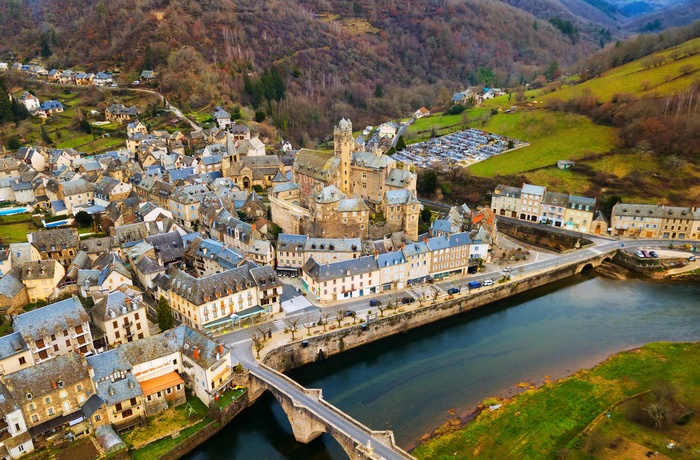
column 360, row 305
column 402, row 131
column 168, row 106
column 326, row 412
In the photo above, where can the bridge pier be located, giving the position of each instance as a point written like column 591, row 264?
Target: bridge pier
column 305, row 426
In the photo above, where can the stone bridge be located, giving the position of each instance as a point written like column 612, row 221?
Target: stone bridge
column 310, row 416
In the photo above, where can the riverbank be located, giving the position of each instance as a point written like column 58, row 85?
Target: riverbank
column 556, row 419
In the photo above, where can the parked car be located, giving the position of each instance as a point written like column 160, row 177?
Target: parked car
column 691, row 259
column 408, row 299
column 639, row 254
column 646, row 253
column 453, row 291
column 348, row 313
column 654, row 254
column 507, row 269
column 487, row 283
column 474, row 285
column 374, row 303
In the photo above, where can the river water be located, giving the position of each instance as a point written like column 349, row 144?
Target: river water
column 415, row 381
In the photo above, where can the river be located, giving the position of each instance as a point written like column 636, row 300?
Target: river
column 416, row 381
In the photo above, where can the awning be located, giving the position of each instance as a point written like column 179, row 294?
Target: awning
column 219, row 322
column 248, row 312
column 161, row 383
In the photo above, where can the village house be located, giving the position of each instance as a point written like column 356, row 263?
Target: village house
column 393, row 270
column 341, row 280
column 60, row 244
column 222, row 117
column 49, row 108
column 653, row 221
column 102, row 79
column 51, row 394
column 55, row 329
column 450, row 255
column 14, row 354
column 122, row 318
column 30, row 101
column 217, row 301
column 294, row 250
column 41, row 278
column 13, row 292
column 120, row 113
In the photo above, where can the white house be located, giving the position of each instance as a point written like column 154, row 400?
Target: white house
column 387, row 130
column 30, row 101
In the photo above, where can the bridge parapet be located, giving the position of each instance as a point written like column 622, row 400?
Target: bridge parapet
column 310, row 416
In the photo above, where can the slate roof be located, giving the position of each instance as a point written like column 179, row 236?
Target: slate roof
column 283, row 187
column 168, row 246
column 148, row 266
column 414, row 249
column 582, row 200
column 11, row 283
column 533, row 189
column 390, row 258
column 51, row 319
column 198, row 290
column 66, row 238
column 401, row 196
column 352, row 205
column 505, row 190
column 40, row 269
column 20, row 253
column 265, row 277
column 120, row 109
column 114, row 305
column 317, row 164
column 370, row 160
column 290, row 242
column 12, row 344
column 38, row 380
column 399, row 177
column 333, row 244
column 335, row 270
column 555, row 199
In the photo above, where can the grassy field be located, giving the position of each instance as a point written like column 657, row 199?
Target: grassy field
column 553, row 136
column 541, row 423
column 422, row 128
column 16, row 233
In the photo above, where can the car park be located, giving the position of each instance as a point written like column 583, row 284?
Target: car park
column 487, row 283
column 374, row 303
column 453, row 291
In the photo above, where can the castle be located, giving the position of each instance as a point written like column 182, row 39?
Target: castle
column 346, row 193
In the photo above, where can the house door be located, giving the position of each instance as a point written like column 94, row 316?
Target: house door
column 246, row 183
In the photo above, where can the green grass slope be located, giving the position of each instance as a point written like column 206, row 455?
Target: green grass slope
column 538, row 424
column 552, row 136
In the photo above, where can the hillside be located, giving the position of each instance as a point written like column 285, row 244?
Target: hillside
column 332, row 54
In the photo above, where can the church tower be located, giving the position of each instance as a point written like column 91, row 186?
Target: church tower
column 343, row 144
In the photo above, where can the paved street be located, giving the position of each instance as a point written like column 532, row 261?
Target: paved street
column 360, row 305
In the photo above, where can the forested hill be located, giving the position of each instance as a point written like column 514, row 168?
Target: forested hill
column 403, row 40
column 323, row 48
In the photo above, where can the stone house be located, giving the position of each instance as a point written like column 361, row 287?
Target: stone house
column 52, row 393
column 55, row 330
column 14, row 354
column 13, row 292
column 121, row 317
column 41, row 278
column 120, row 113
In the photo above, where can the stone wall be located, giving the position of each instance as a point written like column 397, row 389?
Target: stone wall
column 541, row 237
column 189, row 444
column 293, row 355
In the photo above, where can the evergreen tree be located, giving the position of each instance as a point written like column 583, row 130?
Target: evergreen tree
column 45, row 46
column 165, row 314
column 85, row 126
column 45, row 135
column 13, row 143
column 5, row 103
column 378, row 91
column 400, row 144
column 20, row 111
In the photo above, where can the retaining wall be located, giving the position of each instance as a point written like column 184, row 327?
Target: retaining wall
column 292, row 355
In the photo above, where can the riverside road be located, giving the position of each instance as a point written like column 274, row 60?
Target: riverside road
column 360, row 305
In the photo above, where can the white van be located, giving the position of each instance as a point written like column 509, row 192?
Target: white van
column 487, row 283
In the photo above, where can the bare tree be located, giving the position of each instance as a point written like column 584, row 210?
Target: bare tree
column 339, row 315
column 325, row 315
column 258, row 343
column 292, row 325
column 308, row 324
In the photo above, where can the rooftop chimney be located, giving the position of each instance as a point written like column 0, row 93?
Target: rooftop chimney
column 196, row 353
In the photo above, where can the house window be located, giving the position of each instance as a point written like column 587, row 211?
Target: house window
column 98, row 418
column 22, row 360
column 35, row 418
column 116, row 334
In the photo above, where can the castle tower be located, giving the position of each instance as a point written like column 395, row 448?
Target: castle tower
column 343, row 144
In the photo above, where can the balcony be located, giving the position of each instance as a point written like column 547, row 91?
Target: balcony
column 127, row 324
column 75, row 335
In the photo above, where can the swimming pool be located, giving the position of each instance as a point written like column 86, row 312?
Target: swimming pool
column 58, row 223
column 9, row 211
